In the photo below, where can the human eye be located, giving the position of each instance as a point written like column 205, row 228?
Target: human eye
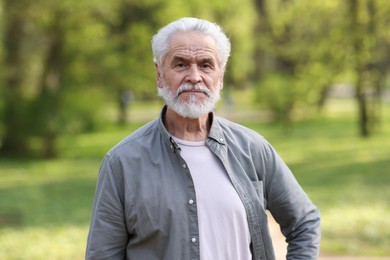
column 180, row 65
column 206, row 66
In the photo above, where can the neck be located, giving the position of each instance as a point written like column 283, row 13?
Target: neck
column 187, row 128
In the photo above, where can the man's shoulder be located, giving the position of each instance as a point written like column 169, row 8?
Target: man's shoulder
column 230, row 127
column 141, row 136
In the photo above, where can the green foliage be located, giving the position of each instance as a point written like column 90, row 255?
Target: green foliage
column 273, row 94
column 59, row 58
column 316, row 44
column 64, row 53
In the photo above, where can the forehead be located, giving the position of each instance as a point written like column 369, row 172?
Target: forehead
column 191, row 45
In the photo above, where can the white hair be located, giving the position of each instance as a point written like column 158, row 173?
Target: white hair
column 160, row 41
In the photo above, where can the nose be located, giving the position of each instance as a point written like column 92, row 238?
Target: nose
column 193, row 74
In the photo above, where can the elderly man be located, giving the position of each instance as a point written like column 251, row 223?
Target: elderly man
column 191, row 185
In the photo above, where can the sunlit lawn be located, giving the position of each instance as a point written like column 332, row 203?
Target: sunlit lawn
column 45, row 205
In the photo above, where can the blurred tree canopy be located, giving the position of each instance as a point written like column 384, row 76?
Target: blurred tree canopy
column 60, row 60
column 303, row 47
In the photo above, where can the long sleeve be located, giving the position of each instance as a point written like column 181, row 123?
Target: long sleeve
column 297, row 216
column 108, row 235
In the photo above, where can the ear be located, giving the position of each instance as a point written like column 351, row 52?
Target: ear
column 159, row 78
column 221, row 81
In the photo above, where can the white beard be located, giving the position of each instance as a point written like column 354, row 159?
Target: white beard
column 193, row 108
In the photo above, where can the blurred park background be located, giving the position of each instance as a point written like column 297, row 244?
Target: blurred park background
column 78, row 76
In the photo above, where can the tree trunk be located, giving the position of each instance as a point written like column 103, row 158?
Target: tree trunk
column 379, row 68
column 15, row 138
column 362, row 105
column 359, row 69
column 259, row 30
column 49, row 99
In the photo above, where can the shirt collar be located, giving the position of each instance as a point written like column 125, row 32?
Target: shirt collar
column 164, row 132
column 215, row 130
column 215, row 133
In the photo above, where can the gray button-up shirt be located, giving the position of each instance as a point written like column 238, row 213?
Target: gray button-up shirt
column 145, row 203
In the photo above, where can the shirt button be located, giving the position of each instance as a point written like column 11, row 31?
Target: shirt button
column 193, row 239
column 221, row 140
column 184, row 166
column 191, row 202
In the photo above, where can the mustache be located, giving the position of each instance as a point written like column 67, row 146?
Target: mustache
column 198, row 87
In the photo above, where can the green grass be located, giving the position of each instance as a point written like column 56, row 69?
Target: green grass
column 45, row 205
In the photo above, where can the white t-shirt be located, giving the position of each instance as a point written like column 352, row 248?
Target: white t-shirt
column 223, row 226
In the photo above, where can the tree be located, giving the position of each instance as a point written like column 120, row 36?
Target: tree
column 62, row 60
column 299, row 59
column 16, row 15
column 35, row 99
column 294, row 61
column 130, row 25
column 48, row 102
column 369, row 56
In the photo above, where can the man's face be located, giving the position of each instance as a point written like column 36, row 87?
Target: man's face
column 190, row 78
